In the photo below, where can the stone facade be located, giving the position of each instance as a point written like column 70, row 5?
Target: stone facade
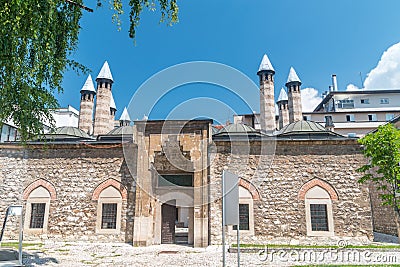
column 383, row 215
column 280, row 212
column 277, row 174
column 75, row 171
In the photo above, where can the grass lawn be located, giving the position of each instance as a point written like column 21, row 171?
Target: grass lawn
column 16, row 244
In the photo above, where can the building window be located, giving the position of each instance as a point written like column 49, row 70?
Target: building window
column 37, row 210
column 175, row 180
column 365, row 101
column 109, row 216
column 37, row 215
column 328, row 119
column 389, row 116
column 384, row 100
column 319, row 217
column 319, row 214
column 350, row 117
column 8, row 133
column 372, row 117
column 109, row 208
column 244, row 220
column 345, row 103
column 307, row 117
column 246, row 213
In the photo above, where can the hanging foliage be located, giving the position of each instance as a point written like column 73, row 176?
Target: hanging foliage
column 37, row 40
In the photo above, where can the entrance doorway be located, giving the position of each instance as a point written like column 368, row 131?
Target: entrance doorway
column 176, row 224
column 168, row 219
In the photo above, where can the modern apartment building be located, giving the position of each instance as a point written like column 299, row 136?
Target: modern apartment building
column 355, row 113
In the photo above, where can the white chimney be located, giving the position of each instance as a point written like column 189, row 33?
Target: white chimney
column 334, row 82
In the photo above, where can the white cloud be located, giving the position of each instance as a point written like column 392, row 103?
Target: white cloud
column 386, row 75
column 352, row 87
column 310, row 99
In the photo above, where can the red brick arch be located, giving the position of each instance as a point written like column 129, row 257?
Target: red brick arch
column 110, row 182
column 41, row 182
column 249, row 186
column 317, row 182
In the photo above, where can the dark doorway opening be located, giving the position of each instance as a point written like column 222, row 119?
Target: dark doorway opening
column 168, row 215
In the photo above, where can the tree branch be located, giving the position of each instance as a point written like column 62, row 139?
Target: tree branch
column 79, row 5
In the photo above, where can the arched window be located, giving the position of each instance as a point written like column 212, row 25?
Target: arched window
column 246, row 215
column 109, row 207
column 319, row 215
column 37, row 210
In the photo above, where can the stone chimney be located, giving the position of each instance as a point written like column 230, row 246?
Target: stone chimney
column 113, row 109
column 267, row 101
column 125, row 119
column 102, row 114
column 283, row 109
column 294, row 100
column 86, row 107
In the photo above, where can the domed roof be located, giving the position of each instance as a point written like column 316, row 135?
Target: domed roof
column 305, row 128
column 128, row 130
column 237, row 128
column 69, row 131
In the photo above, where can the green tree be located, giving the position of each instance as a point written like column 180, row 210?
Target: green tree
column 37, row 41
column 382, row 150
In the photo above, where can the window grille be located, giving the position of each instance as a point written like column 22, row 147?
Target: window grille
column 319, row 217
column 37, row 215
column 109, row 216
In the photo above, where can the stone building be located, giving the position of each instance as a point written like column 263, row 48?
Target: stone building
column 160, row 181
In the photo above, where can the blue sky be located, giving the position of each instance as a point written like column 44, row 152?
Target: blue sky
column 318, row 38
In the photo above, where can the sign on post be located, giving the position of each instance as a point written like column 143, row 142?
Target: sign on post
column 230, row 193
column 230, row 208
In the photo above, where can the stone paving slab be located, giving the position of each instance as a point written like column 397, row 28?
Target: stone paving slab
column 119, row 254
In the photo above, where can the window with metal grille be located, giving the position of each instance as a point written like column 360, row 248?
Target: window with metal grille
column 243, row 217
column 345, row 103
column 319, row 217
column 109, row 216
column 37, row 215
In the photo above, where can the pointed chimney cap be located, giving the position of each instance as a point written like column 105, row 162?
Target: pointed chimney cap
column 88, row 86
column 293, row 76
column 283, row 96
column 266, row 64
column 112, row 103
column 125, row 115
column 105, row 72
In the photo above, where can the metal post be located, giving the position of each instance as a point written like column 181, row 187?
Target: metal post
column 4, row 226
column 223, row 221
column 238, row 238
column 21, row 228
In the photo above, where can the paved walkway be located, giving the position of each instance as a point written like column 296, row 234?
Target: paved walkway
column 117, row 254
column 8, row 258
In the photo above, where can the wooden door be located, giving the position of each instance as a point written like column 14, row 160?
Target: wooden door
column 168, row 214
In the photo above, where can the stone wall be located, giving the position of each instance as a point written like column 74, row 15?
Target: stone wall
column 75, row 171
column 280, row 215
column 383, row 215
